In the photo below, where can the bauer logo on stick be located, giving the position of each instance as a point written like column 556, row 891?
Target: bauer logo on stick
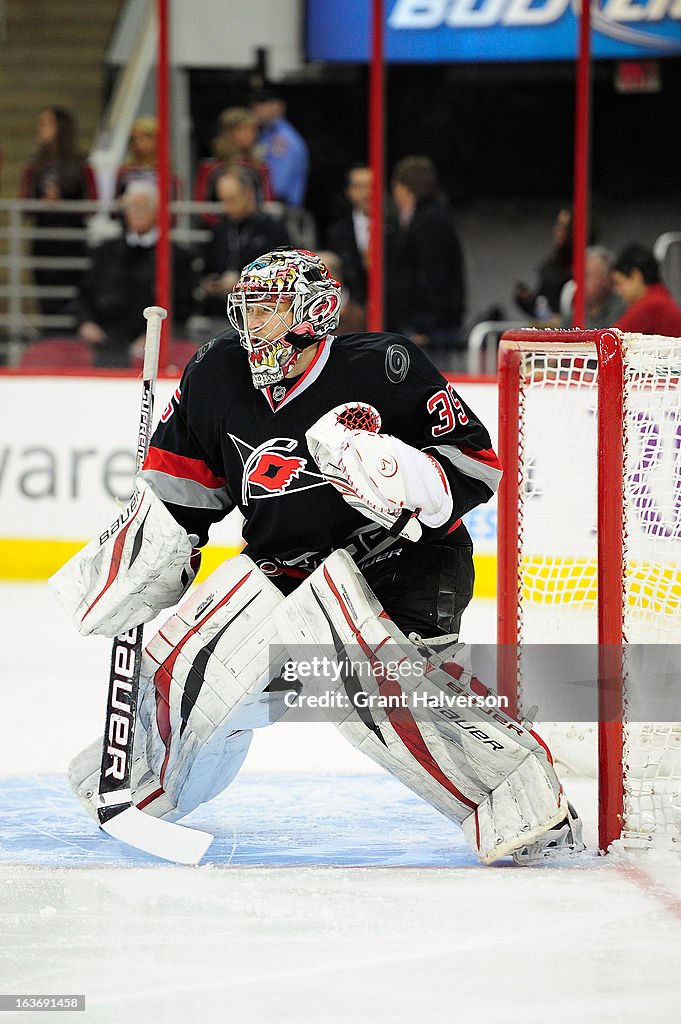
column 124, row 661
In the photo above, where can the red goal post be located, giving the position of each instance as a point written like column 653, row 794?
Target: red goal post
column 590, row 542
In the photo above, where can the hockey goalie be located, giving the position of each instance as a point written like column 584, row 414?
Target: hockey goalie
column 353, row 462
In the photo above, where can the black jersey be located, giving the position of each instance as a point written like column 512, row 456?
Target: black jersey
column 221, row 443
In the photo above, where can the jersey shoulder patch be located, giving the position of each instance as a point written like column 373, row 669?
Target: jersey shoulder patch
column 226, row 342
column 219, row 359
column 200, row 353
column 397, row 362
column 383, row 355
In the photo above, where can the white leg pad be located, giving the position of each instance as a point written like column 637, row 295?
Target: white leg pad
column 516, row 812
column 148, row 794
column 203, row 688
column 474, row 764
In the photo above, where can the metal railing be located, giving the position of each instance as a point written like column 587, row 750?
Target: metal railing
column 20, row 319
column 483, row 341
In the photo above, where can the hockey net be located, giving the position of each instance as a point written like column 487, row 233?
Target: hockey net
column 590, row 554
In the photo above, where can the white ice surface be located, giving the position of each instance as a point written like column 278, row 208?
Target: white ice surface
column 167, row 944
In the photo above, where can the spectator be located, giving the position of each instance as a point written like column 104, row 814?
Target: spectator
column 122, row 281
column 602, row 304
column 234, row 146
column 142, row 160
column 242, row 233
column 650, row 307
column 349, row 237
column 426, row 269
column 58, row 171
column 543, row 302
column 352, row 314
column 283, row 148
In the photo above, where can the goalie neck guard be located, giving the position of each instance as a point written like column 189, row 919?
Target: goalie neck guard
column 284, row 301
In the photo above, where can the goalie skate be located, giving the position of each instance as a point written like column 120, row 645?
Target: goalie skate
column 560, row 842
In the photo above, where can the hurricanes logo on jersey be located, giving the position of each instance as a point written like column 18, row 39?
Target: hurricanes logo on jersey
column 275, row 472
column 271, row 470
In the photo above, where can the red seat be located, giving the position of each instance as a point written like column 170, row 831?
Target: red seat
column 57, row 352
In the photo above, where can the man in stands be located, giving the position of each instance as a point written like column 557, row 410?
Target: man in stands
column 284, row 150
column 426, row 273
column 650, row 307
column 349, row 236
column 602, row 303
column 122, row 281
column 242, row 232
column 352, row 461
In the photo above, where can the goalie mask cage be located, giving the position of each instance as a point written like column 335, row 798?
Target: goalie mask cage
column 590, row 549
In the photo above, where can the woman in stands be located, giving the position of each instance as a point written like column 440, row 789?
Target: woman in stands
column 233, row 146
column 142, row 160
column 57, row 171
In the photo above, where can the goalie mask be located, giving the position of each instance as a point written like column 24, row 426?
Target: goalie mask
column 283, row 302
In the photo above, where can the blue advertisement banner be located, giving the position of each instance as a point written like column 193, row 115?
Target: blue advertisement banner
column 424, row 31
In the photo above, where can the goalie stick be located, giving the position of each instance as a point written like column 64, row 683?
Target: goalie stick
column 117, row 814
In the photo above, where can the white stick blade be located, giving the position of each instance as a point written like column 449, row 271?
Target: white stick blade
column 164, row 839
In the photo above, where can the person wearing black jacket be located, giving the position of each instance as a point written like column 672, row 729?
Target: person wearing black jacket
column 122, row 281
column 349, row 236
column 56, row 173
column 426, row 279
column 242, row 233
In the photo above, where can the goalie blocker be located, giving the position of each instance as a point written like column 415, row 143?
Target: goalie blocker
column 206, row 684
column 144, row 562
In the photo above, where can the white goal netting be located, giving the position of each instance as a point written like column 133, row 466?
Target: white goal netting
column 558, row 550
